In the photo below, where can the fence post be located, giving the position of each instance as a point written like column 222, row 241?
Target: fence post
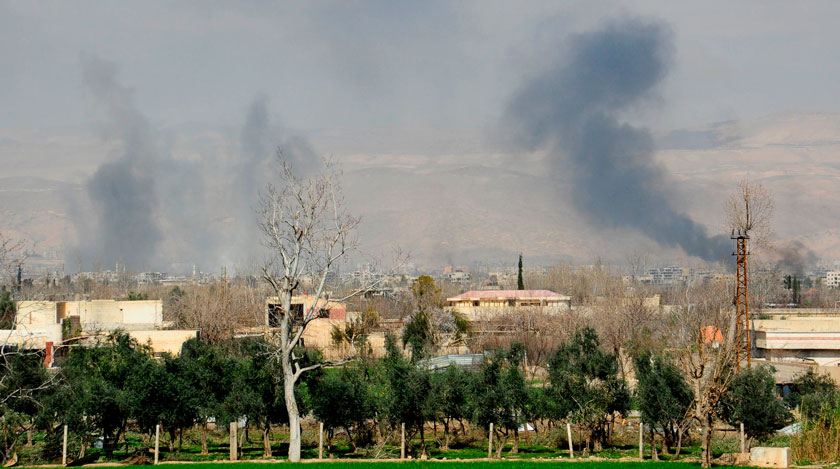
column 490, row 442
column 569, row 434
column 743, row 442
column 64, row 448
column 233, row 442
column 402, row 443
column 157, row 442
column 320, row 440
column 641, row 440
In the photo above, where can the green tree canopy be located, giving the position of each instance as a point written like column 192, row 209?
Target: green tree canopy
column 808, row 390
column 409, row 393
column 752, row 400
column 585, row 385
column 500, row 395
column 663, row 395
column 343, row 399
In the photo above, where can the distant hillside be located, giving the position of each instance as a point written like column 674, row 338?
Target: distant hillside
column 476, row 202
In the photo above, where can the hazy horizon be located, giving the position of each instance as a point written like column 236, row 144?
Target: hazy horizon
column 467, row 131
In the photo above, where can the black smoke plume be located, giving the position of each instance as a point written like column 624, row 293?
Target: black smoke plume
column 795, row 259
column 573, row 110
column 158, row 212
column 123, row 190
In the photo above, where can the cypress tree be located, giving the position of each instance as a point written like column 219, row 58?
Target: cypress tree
column 520, row 284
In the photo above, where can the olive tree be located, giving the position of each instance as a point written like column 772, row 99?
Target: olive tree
column 752, row 400
column 701, row 331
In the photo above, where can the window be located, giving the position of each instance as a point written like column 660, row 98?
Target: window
column 274, row 312
column 297, row 312
column 476, row 303
column 511, row 302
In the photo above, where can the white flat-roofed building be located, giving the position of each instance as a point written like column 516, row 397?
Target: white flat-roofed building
column 814, row 340
column 478, row 304
column 832, row 278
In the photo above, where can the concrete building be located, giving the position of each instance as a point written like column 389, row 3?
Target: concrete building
column 329, row 315
column 666, row 275
column 479, row 304
column 800, row 339
column 93, row 314
column 300, row 303
column 832, row 278
column 44, row 325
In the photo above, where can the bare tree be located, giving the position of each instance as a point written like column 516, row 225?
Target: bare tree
column 702, row 331
column 217, row 310
column 306, row 228
column 16, row 351
column 749, row 210
column 12, row 255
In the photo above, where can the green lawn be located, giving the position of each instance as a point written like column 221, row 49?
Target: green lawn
column 457, row 465
column 546, row 449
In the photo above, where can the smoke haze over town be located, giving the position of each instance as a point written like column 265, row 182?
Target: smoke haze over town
column 466, row 131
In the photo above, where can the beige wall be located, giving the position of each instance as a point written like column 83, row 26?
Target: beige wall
column 164, row 341
column 36, row 313
column 94, row 314
column 815, row 339
column 318, row 334
column 490, row 308
column 31, row 337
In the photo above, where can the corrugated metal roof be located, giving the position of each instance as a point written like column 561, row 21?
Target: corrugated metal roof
column 467, row 360
column 473, row 295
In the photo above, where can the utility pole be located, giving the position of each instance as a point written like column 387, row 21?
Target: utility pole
column 742, row 299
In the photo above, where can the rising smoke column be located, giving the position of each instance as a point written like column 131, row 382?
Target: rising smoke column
column 573, row 109
column 154, row 210
column 123, row 190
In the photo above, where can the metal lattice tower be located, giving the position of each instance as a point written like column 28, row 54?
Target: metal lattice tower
column 742, row 299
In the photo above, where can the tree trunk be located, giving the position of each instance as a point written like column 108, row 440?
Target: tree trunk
column 267, row 440
column 445, row 435
column 653, row 454
column 422, row 440
column 171, row 440
column 350, row 439
column 706, row 443
column 204, row 438
column 501, row 441
column 679, row 444
column 294, row 421
column 515, row 448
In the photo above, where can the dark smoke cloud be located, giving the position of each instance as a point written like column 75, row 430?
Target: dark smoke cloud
column 155, row 211
column 795, row 259
column 573, row 109
column 123, row 190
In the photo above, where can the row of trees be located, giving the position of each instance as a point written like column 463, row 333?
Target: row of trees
column 104, row 391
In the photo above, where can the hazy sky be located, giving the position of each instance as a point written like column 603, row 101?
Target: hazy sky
column 381, row 64
column 126, row 100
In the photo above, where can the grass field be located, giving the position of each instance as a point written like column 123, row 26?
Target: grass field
column 531, row 464
column 544, row 450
